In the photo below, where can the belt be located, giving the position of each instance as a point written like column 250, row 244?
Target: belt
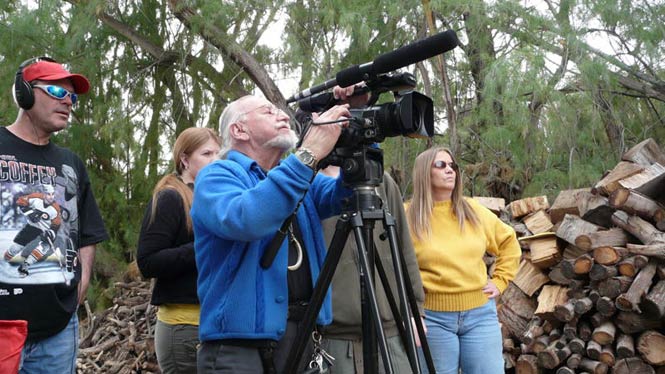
column 249, row 343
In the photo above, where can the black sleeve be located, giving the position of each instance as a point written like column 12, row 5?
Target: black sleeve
column 91, row 225
column 159, row 254
column 396, row 207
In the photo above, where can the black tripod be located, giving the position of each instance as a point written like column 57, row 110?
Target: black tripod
column 360, row 214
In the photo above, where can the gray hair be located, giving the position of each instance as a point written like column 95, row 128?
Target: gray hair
column 230, row 115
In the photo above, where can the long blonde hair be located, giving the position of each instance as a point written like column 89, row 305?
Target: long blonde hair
column 419, row 212
column 187, row 142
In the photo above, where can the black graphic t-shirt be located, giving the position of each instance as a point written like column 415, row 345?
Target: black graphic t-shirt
column 48, row 212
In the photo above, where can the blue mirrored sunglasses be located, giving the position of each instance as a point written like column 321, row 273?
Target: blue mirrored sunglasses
column 443, row 165
column 57, row 92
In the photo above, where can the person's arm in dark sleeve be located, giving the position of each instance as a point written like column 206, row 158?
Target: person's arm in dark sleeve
column 157, row 255
column 396, row 207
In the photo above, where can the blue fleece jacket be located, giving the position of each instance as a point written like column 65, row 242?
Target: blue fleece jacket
column 237, row 210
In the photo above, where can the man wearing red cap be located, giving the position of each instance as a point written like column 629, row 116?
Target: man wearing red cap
column 45, row 287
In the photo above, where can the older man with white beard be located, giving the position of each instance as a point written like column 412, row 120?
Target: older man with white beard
column 249, row 314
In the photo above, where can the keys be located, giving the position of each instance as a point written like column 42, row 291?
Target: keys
column 321, row 359
column 327, row 358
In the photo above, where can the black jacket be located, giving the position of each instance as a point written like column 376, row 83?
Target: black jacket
column 166, row 252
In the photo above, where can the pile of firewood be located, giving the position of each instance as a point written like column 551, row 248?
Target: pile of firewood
column 120, row 339
column 589, row 296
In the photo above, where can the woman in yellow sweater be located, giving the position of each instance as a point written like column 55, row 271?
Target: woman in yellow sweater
column 451, row 234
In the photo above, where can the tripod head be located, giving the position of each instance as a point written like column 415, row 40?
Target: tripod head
column 362, row 171
column 361, row 166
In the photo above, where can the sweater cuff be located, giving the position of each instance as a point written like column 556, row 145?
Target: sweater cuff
column 501, row 285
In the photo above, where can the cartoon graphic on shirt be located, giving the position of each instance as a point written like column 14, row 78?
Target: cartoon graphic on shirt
column 35, row 242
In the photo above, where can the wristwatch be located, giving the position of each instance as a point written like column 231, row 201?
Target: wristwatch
column 307, row 157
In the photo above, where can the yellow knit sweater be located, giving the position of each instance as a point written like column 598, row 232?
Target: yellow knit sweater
column 451, row 261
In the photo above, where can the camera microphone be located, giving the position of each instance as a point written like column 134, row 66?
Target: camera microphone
column 400, row 57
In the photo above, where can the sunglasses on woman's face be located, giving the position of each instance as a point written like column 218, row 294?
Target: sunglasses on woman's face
column 57, row 92
column 443, row 165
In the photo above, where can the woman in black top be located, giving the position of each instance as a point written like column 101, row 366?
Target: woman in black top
column 166, row 252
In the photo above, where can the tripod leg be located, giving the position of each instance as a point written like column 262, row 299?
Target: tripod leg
column 370, row 292
column 402, row 285
column 342, row 230
column 399, row 321
column 415, row 312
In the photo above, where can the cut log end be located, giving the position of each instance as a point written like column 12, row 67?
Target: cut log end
column 619, row 197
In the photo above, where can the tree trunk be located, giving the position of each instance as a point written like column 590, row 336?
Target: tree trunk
column 630, row 323
column 632, row 365
column 625, row 346
column 522, row 207
column 607, row 255
column 610, row 182
column 648, row 182
column 594, row 367
column 607, row 356
column 600, row 272
column 440, row 65
column 633, row 202
column 641, row 229
column 516, row 310
column 656, row 250
column 606, row 306
column 594, row 208
column 529, row 278
column 651, row 345
column 614, row 237
column 604, row 334
column 549, row 298
column 645, row 153
column 654, row 303
column 583, row 305
column 216, row 36
column 538, row 222
column 630, row 300
column 614, row 286
column 534, row 329
column 566, row 203
column 527, row 364
column 572, row 226
column 630, row 266
column 593, row 349
column 582, row 265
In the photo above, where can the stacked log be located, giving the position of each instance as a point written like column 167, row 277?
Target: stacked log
column 120, row 339
column 589, row 296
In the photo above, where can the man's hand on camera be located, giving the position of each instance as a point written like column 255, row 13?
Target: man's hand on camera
column 321, row 139
column 345, row 94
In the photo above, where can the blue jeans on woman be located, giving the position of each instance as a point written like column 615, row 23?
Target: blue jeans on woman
column 55, row 354
column 470, row 340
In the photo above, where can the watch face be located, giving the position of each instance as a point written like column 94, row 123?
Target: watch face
column 306, row 157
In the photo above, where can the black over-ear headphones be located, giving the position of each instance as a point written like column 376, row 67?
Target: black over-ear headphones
column 23, row 93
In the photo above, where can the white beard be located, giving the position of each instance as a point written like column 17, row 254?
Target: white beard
column 283, row 142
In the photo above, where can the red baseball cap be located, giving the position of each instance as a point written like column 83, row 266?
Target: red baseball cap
column 52, row 71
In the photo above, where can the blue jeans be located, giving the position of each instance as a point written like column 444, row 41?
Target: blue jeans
column 470, row 340
column 55, row 354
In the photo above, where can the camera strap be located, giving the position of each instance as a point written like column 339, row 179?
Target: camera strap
column 293, row 242
column 274, row 245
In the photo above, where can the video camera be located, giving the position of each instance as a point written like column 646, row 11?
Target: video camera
column 411, row 114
